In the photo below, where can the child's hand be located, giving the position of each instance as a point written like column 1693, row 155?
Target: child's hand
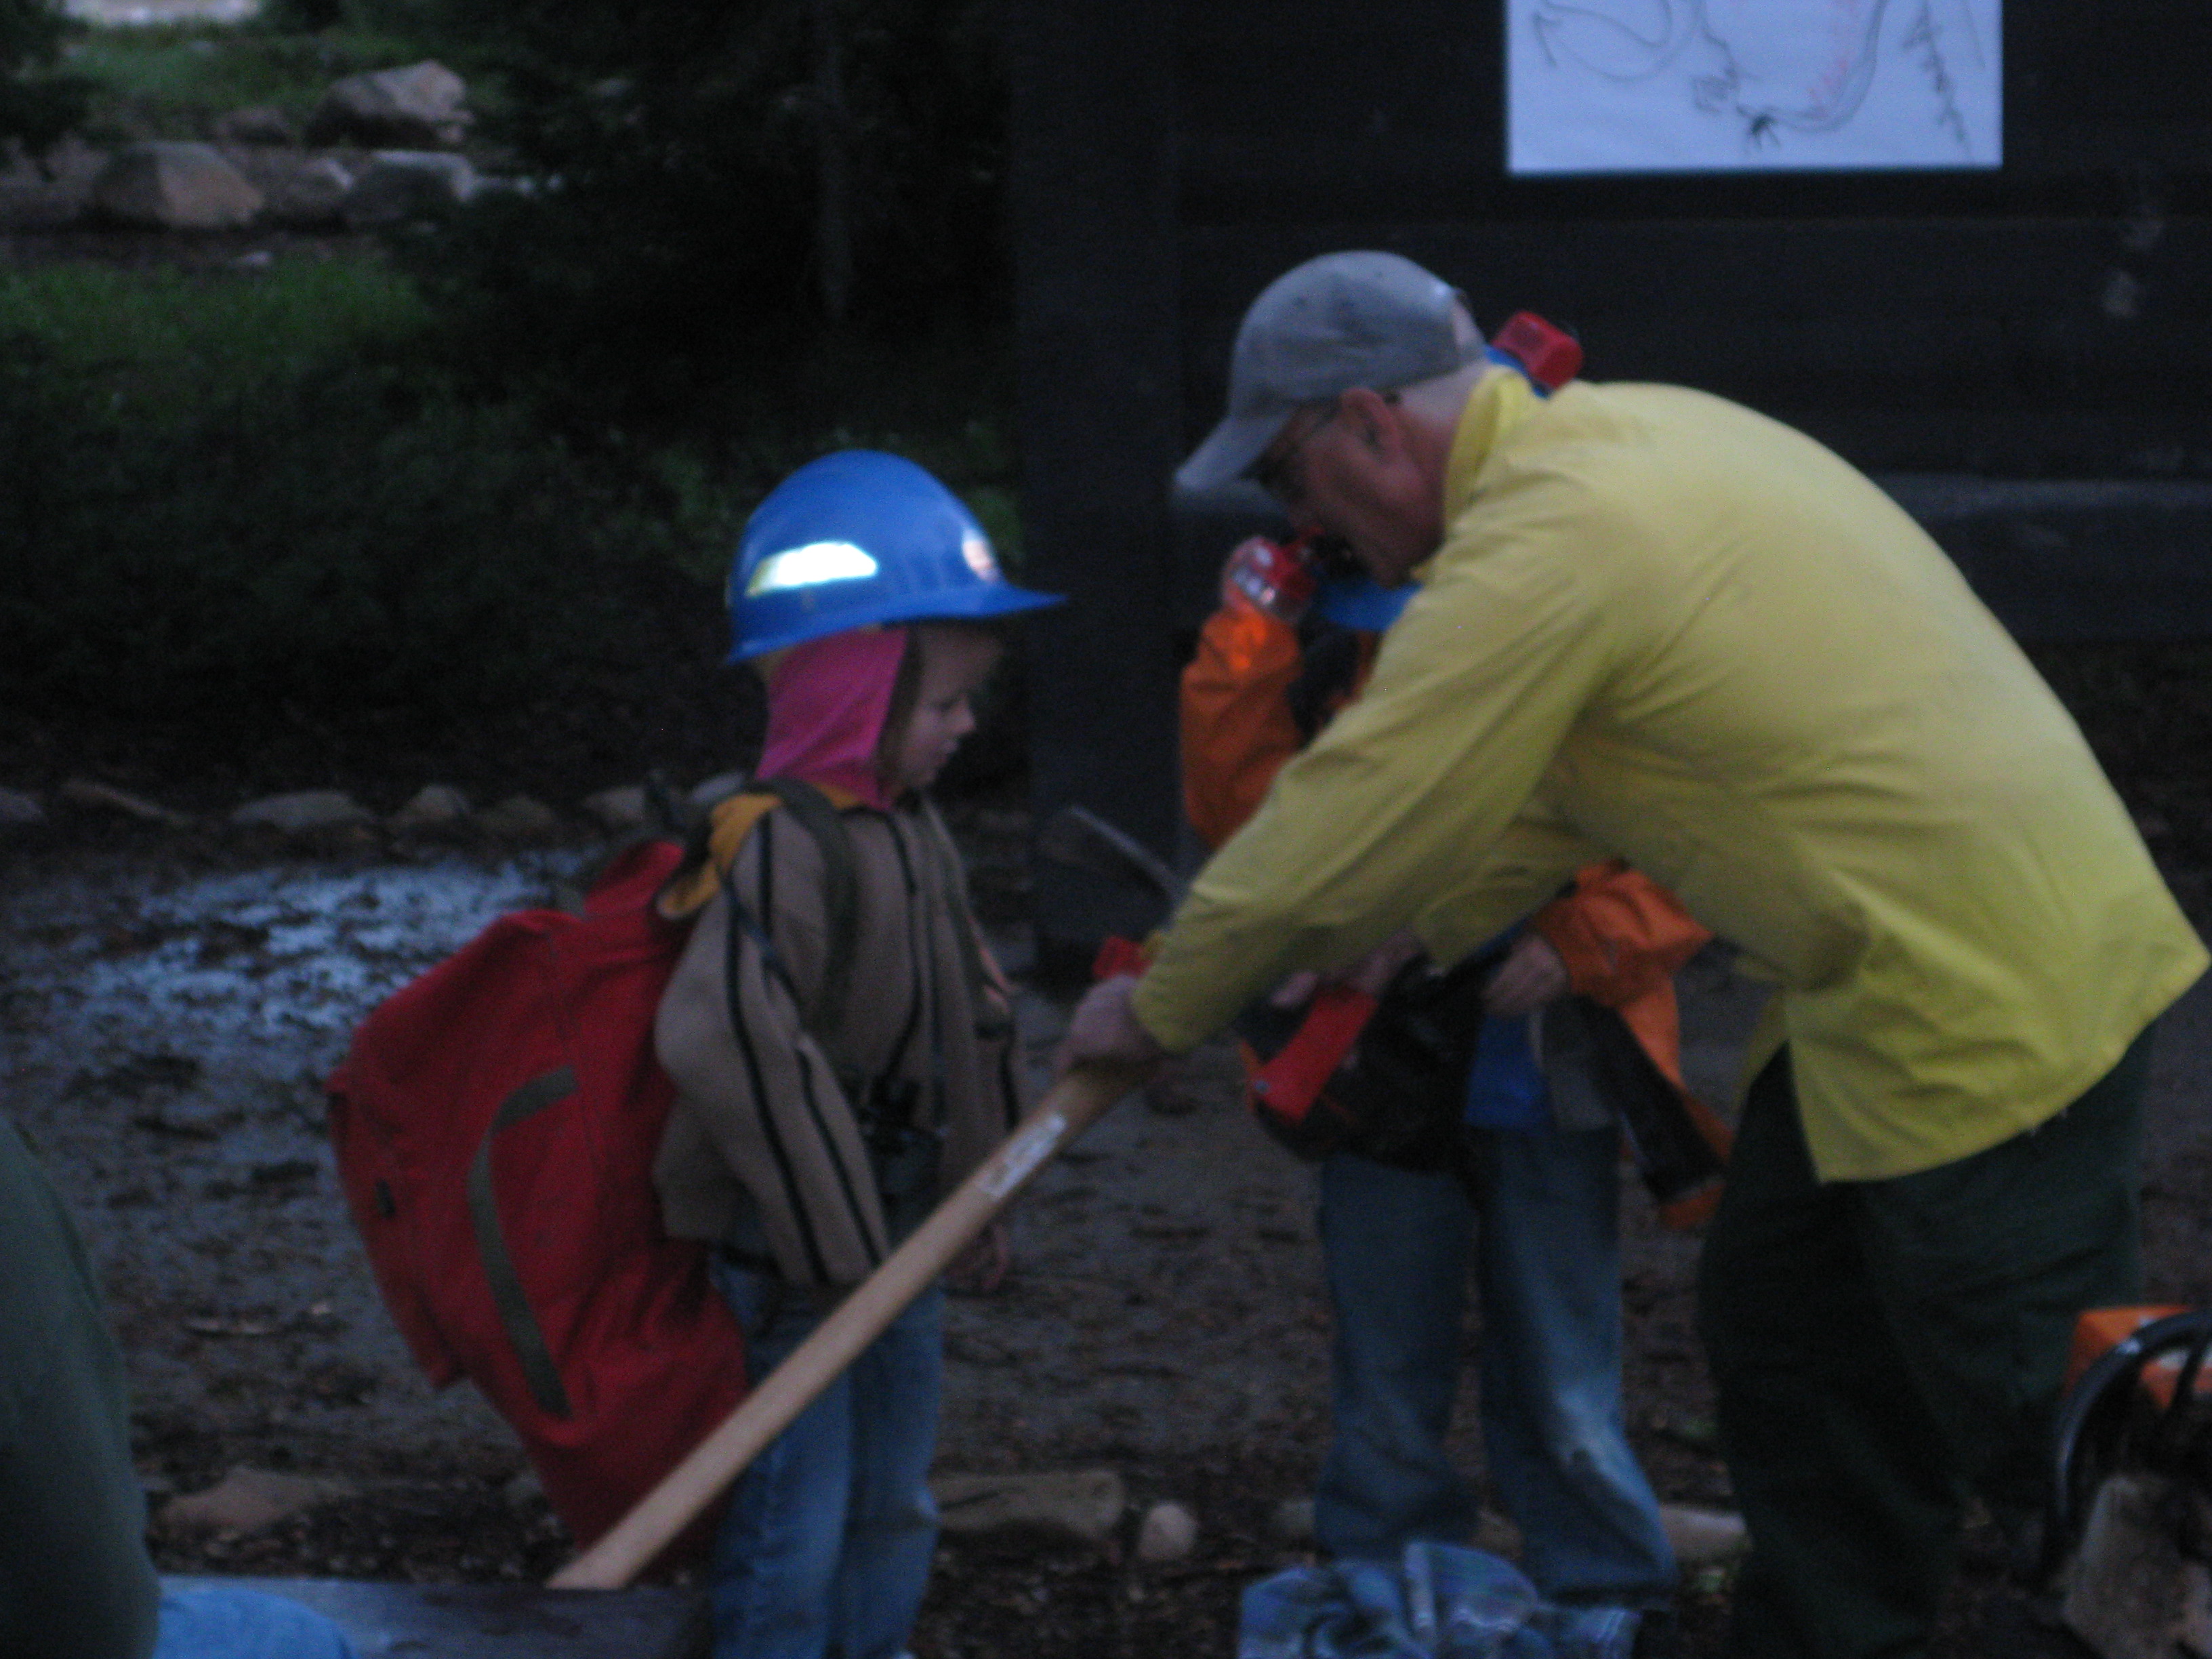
column 1533, row 975
column 980, row 1269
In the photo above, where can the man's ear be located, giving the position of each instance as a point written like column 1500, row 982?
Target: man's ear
column 1373, row 420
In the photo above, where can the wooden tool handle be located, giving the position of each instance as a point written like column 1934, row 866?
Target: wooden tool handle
column 1080, row 1100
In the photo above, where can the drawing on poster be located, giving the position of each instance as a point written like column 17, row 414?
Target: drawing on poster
column 1632, row 86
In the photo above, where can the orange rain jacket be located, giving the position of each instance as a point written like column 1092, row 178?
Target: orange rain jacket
column 1621, row 935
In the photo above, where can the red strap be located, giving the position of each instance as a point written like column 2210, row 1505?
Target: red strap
column 1118, row 958
column 1289, row 1083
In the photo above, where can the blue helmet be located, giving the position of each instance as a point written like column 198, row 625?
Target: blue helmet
column 857, row 538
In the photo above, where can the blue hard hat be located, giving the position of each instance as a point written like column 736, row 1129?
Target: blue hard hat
column 859, row 539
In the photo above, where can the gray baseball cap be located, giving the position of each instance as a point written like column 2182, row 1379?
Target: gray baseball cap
column 1333, row 323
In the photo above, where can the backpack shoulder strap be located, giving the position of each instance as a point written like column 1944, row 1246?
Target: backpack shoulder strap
column 709, row 852
column 982, row 973
column 841, row 896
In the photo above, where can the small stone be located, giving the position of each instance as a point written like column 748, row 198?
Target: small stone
column 304, row 813
column 518, row 817
column 168, row 185
column 20, row 812
column 83, row 792
column 1082, row 1506
column 1703, row 1538
column 1292, row 1520
column 248, row 1500
column 1168, row 1531
column 433, row 807
column 620, row 810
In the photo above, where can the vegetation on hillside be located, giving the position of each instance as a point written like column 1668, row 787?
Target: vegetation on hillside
column 38, row 100
column 391, row 486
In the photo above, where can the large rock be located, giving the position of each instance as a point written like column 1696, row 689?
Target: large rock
column 256, row 124
column 424, row 103
column 620, row 810
column 304, row 813
column 298, row 191
column 433, row 808
column 518, row 817
column 2132, row 1590
column 710, row 793
column 166, row 184
column 398, row 185
column 101, row 796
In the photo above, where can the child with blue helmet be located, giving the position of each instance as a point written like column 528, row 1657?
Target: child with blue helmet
column 839, row 1039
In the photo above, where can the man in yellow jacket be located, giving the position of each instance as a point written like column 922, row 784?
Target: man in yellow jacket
column 1653, row 625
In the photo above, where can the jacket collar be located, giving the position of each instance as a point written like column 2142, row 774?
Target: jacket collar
column 1499, row 403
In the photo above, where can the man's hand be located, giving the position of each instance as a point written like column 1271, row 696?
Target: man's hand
column 981, row 1266
column 1371, row 973
column 1531, row 975
column 1104, row 1028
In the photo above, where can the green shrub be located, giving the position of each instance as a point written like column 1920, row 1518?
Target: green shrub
column 322, row 525
column 144, row 348
column 171, row 81
column 244, row 500
column 690, row 235
column 38, row 101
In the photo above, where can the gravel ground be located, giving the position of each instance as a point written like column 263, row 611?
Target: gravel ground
column 169, row 1005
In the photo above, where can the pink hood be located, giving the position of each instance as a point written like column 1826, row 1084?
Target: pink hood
column 827, row 700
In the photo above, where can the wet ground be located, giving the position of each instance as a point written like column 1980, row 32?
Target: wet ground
column 169, row 1009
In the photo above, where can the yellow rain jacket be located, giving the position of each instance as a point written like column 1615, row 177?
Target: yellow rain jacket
column 1666, row 628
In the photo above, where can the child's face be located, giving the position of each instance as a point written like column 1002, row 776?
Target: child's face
column 955, row 663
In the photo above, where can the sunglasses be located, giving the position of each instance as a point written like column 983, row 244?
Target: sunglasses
column 1278, row 471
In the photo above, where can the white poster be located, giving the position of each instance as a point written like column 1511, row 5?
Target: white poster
column 1699, row 85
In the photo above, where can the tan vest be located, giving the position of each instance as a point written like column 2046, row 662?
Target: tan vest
column 763, row 1128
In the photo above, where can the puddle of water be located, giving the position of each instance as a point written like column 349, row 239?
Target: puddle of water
column 163, row 1039
column 263, row 953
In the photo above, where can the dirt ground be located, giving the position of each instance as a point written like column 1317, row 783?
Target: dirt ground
column 170, row 1001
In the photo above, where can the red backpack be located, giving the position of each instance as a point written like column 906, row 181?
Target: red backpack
column 495, row 1122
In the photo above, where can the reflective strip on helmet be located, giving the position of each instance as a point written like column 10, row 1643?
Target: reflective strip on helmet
column 977, row 553
column 810, row 566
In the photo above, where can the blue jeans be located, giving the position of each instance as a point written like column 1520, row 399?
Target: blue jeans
column 215, row 1621
column 1395, row 1243
column 824, row 1550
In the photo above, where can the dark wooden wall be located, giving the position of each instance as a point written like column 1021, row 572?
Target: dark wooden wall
column 2021, row 354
